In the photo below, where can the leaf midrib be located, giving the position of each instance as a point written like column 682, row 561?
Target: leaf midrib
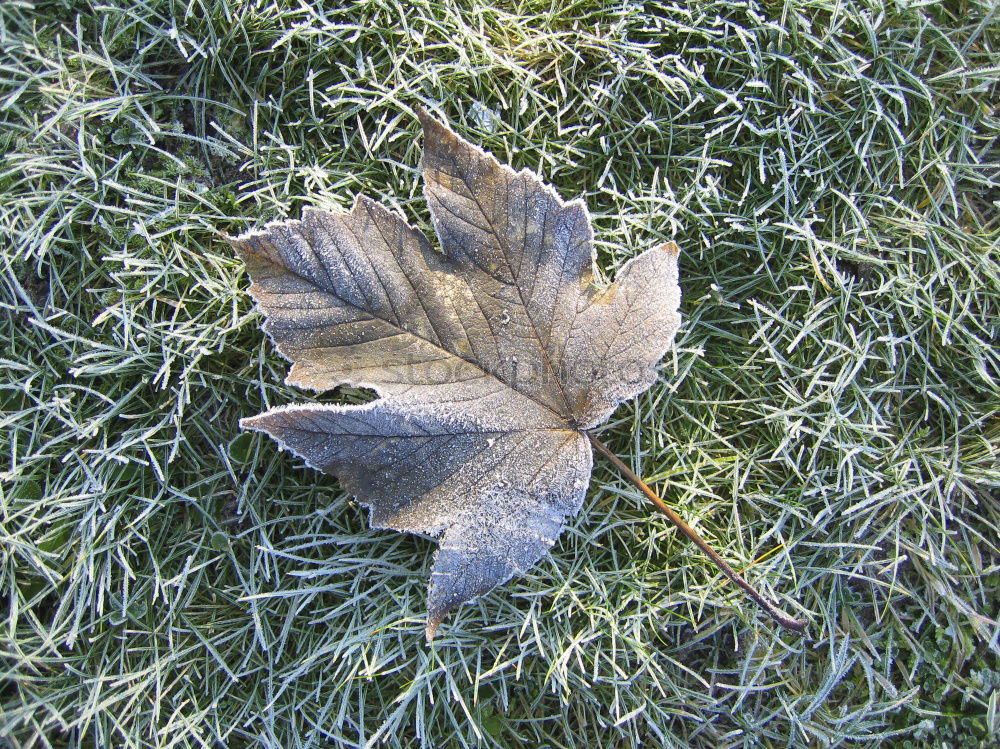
column 543, row 354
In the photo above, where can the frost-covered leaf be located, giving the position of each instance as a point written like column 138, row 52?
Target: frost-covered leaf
column 491, row 357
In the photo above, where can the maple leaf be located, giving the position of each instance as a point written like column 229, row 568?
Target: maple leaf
column 491, row 358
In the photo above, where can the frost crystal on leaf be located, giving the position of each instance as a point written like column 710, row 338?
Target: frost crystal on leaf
column 490, row 357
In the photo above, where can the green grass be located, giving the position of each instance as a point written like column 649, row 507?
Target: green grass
column 828, row 418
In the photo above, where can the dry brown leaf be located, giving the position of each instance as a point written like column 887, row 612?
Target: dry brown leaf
column 490, row 358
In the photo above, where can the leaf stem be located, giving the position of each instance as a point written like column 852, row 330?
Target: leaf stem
column 783, row 619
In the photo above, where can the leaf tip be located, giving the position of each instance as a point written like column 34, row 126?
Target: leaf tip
column 670, row 248
column 428, row 121
column 235, row 242
column 433, row 622
column 252, row 422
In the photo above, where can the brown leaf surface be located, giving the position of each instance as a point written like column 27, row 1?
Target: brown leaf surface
column 490, row 358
